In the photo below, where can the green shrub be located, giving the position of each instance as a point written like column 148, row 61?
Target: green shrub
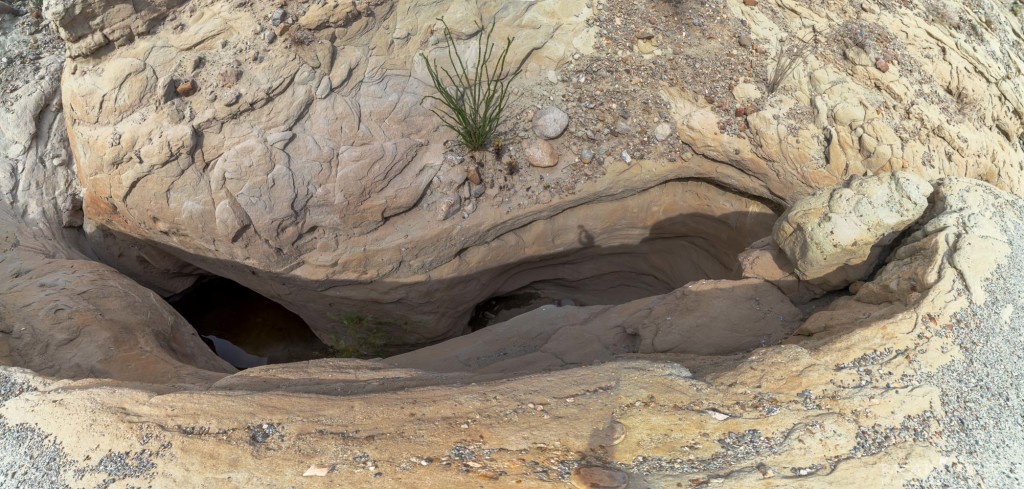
column 480, row 93
column 363, row 338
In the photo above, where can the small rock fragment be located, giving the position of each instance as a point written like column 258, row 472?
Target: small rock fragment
column 622, row 128
column 269, row 36
column 550, row 122
column 317, row 470
column 625, row 157
column 598, row 478
column 662, row 131
column 278, row 16
column 231, row 98
column 476, row 191
column 473, row 175
column 882, row 65
column 540, row 153
column 745, row 41
column 586, row 156
column 448, row 207
column 750, row 3
column 186, row 88
column 718, row 415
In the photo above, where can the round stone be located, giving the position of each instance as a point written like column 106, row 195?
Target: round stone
column 540, row 153
column 550, row 122
column 662, row 131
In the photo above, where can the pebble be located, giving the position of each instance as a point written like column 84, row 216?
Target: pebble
column 476, row 191
column 625, row 157
column 662, row 131
column 882, row 65
column 278, row 16
column 598, row 478
column 231, row 98
column 750, row 3
column 450, row 206
column 718, row 415
column 473, row 175
column 186, row 88
column 316, row 470
column 550, row 122
column 622, row 128
column 540, row 153
column 746, row 41
column 269, row 36
column 586, row 156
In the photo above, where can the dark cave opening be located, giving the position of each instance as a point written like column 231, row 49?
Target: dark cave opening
column 245, row 328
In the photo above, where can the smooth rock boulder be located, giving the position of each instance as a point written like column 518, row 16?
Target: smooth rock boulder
column 837, row 236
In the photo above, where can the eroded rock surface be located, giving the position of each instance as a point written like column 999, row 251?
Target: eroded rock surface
column 870, row 392
column 837, row 236
column 307, row 160
column 284, row 146
column 709, row 317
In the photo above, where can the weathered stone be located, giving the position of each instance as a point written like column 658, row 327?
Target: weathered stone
column 837, row 236
column 540, row 153
column 662, row 131
column 550, row 122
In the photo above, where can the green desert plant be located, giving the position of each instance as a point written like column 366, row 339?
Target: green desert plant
column 786, row 60
column 475, row 97
column 364, row 338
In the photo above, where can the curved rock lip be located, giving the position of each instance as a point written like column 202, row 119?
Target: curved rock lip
column 771, row 411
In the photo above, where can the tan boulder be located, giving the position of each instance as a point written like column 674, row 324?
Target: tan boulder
column 837, row 236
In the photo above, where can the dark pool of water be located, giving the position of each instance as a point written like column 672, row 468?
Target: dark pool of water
column 245, row 328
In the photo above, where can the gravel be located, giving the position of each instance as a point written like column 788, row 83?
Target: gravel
column 983, row 394
column 26, row 46
column 29, row 459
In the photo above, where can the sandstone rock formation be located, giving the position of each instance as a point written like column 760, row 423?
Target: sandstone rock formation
column 285, row 147
column 836, row 237
column 307, row 169
column 870, row 393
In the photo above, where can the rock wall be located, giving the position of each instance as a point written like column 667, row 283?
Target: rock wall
column 870, row 392
column 287, row 148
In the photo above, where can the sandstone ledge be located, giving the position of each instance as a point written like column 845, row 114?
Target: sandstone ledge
column 861, row 397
